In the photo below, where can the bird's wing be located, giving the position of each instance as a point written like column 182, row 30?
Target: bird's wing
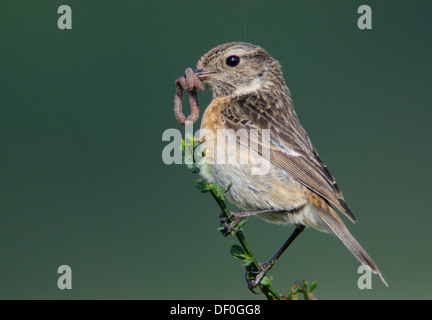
column 290, row 147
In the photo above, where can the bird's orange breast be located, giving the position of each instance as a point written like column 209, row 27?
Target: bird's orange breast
column 211, row 119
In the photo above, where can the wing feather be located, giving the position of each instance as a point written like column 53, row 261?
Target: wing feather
column 291, row 148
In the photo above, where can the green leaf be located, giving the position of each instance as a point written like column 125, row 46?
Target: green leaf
column 238, row 252
column 242, row 223
column 183, row 145
column 296, row 290
column 247, row 262
column 313, row 286
column 202, row 186
column 265, row 281
column 227, row 188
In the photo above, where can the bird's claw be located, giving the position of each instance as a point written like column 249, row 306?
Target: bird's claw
column 226, row 228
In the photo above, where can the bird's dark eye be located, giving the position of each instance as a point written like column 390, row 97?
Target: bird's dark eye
column 232, row 61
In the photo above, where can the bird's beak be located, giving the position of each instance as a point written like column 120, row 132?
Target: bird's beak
column 203, row 75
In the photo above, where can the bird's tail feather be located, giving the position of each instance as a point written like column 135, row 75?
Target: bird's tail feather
column 337, row 227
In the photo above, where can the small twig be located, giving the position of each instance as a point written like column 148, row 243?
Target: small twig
column 254, row 267
column 301, row 288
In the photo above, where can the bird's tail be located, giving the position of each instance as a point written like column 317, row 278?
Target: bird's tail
column 337, row 227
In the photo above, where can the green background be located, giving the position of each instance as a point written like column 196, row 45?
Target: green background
column 82, row 113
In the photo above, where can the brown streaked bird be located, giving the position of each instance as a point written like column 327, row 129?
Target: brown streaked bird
column 249, row 93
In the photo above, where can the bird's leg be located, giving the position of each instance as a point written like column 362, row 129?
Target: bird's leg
column 265, row 267
column 237, row 216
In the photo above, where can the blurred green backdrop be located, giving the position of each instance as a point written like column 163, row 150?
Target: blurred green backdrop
column 82, row 113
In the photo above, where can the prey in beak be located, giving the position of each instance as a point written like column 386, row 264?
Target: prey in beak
column 190, row 81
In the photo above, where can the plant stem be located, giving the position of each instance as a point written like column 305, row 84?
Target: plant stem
column 267, row 290
column 218, row 194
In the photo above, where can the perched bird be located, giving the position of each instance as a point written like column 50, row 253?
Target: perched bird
column 250, row 96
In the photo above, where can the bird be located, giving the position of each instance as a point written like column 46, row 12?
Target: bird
column 252, row 106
